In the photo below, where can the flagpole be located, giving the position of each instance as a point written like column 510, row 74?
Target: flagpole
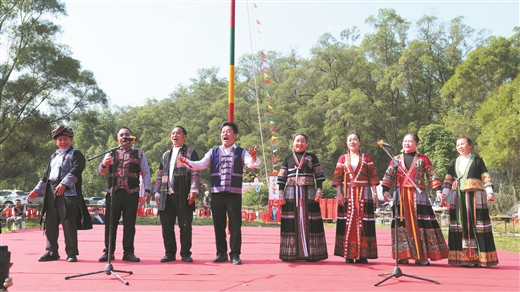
column 231, row 91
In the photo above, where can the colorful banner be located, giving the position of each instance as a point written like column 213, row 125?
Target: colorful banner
column 270, row 108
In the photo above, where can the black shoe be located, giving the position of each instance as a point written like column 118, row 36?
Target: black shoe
column 48, row 256
column 168, row 258
column 235, row 260
column 422, row 262
column 349, row 261
column 187, row 259
column 72, row 259
column 362, row 261
column 220, row 258
column 104, row 258
column 131, row 258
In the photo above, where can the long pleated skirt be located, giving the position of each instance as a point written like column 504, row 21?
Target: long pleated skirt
column 302, row 236
column 419, row 235
column 355, row 226
column 470, row 237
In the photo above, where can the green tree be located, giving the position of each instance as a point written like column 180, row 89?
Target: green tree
column 40, row 85
column 438, row 143
column 486, row 68
column 253, row 200
column 499, row 117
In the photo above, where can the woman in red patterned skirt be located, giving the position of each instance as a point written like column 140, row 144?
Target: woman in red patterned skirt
column 419, row 234
column 355, row 179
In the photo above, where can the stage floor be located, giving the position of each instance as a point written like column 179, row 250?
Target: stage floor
column 261, row 269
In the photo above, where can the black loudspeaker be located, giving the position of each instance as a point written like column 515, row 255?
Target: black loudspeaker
column 5, row 261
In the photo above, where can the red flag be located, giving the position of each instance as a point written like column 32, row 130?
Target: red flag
column 258, row 22
column 255, row 5
column 264, row 60
column 262, row 53
column 265, row 68
column 267, row 82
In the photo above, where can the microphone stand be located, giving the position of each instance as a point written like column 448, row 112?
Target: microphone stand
column 109, row 268
column 397, row 271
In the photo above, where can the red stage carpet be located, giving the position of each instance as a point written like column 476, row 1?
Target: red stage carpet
column 261, row 269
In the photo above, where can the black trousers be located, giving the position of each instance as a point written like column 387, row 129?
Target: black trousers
column 126, row 204
column 62, row 210
column 168, row 216
column 230, row 204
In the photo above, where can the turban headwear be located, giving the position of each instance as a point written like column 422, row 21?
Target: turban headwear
column 62, row 131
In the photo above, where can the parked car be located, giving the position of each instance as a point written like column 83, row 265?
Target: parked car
column 101, row 202
column 9, row 196
column 95, row 200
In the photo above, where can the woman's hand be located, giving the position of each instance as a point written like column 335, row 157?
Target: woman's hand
column 339, row 195
column 318, row 196
column 375, row 196
column 281, row 197
column 491, row 197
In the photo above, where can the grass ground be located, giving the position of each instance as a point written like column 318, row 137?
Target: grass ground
column 502, row 241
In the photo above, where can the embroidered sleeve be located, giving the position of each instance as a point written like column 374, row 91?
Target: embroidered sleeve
column 388, row 178
column 372, row 173
column 433, row 179
column 485, row 176
column 318, row 170
column 450, row 176
column 339, row 171
column 282, row 174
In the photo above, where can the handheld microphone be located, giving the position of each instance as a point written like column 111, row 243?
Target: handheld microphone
column 129, row 138
column 382, row 144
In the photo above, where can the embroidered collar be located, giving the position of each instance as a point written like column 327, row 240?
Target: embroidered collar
column 348, row 166
column 457, row 163
column 299, row 164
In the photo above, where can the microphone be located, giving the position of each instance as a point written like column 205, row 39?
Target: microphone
column 129, row 138
column 382, row 144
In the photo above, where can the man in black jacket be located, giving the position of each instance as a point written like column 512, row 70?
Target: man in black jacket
column 176, row 188
column 63, row 200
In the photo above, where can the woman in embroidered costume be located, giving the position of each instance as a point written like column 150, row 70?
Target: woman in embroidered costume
column 419, row 235
column 302, row 236
column 469, row 184
column 355, row 179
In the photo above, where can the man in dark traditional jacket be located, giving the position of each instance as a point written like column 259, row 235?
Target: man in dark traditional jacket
column 176, row 188
column 123, row 179
column 63, row 198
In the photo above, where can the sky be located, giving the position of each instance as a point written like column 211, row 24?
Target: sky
column 144, row 49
